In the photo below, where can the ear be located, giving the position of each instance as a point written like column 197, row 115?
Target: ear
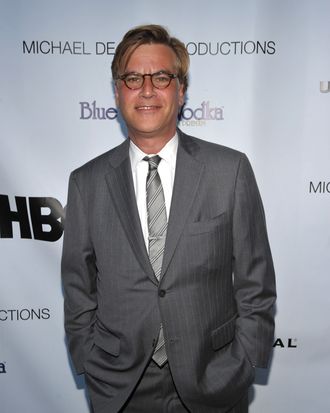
column 116, row 93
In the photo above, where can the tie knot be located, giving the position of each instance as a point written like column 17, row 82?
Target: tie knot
column 153, row 161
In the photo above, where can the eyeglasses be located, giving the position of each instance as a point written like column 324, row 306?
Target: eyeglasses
column 160, row 80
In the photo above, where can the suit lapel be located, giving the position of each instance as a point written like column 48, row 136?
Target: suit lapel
column 120, row 184
column 187, row 178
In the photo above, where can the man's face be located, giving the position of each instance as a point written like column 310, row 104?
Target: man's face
column 150, row 112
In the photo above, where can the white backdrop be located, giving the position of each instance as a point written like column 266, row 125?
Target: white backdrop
column 256, row 68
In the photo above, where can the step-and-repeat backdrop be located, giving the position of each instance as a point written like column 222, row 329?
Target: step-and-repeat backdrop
column 260, row 83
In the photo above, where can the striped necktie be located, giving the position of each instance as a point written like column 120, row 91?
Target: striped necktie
column 157, row 226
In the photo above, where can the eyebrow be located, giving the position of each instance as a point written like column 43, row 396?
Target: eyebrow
column 134, row 72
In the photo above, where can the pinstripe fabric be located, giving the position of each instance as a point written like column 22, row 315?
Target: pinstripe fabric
column 157, row 226
column 155, row 393
column 217, row 278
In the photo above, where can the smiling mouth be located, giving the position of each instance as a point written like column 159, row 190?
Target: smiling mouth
column 147, row 107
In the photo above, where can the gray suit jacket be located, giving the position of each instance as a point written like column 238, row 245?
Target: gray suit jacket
column 217, row 290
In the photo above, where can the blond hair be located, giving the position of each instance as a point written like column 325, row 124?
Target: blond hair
column 150, row 34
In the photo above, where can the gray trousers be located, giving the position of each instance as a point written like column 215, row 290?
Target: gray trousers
column 156, row 393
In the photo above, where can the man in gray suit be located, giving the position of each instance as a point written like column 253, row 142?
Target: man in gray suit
column 168, row 277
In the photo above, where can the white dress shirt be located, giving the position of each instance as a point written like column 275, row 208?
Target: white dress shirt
column 166, row 170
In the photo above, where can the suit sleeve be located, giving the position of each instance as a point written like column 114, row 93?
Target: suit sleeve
column 78, row 278
column 254, row 278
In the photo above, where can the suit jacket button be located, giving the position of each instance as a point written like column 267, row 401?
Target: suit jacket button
column 162, row 293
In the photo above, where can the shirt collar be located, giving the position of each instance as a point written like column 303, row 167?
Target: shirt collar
column 167, row 153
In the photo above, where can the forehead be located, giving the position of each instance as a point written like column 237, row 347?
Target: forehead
column 152, row 57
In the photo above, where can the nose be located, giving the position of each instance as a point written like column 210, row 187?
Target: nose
column 148, row 88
